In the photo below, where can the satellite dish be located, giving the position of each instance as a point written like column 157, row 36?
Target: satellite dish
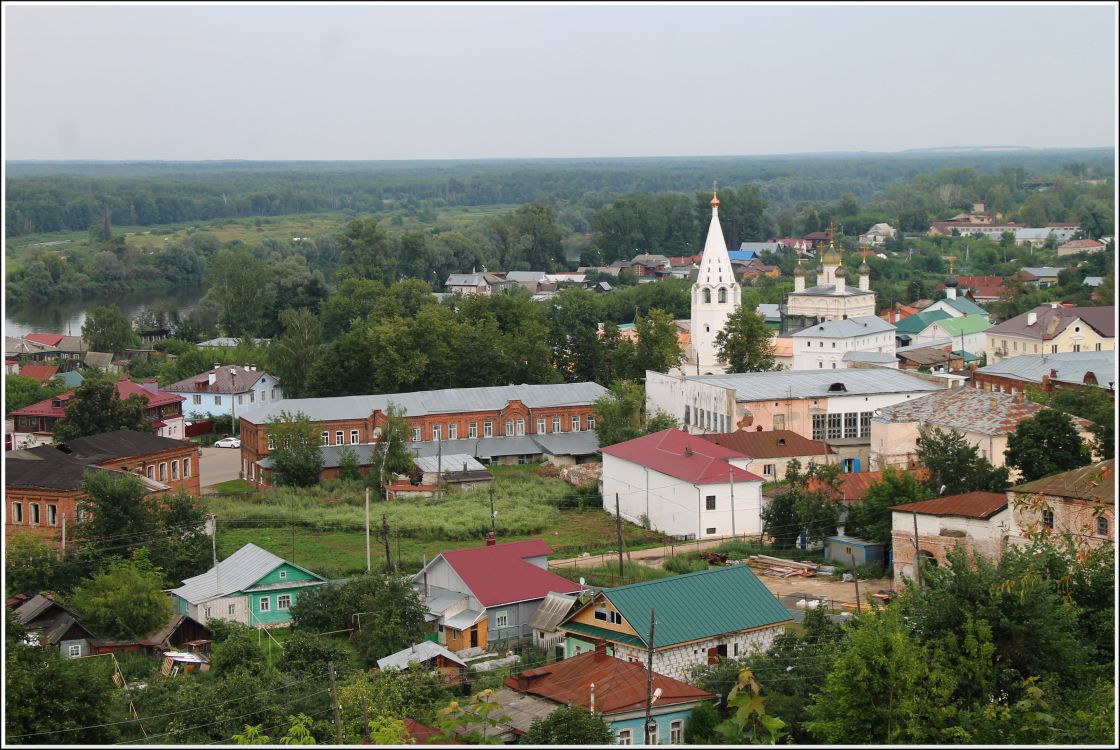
column 582, row 582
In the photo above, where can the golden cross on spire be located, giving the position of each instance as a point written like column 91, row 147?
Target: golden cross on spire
column 865, row 252
column 715, row 187
column 950, row 258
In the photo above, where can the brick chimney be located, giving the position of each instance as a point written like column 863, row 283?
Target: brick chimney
column 491, row 539
column 600, row 650
column 151, row 385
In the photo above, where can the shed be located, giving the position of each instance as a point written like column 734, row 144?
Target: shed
column 846, row 549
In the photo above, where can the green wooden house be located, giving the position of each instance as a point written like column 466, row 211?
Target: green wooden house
column 252, row 586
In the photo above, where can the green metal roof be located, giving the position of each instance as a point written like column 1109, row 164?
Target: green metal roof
column 698, row 605
column 966, row 356
column 966, row 306
column 593, row 631
column 963, row 326
column 918, row 322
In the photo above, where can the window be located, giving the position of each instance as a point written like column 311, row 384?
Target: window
column 851, row 424
column 608, row 615
column 207, row 613
column 687, row 414
column 437, row 432
column 710, row 502
column 707, row 296
column 196, row 399
column 865, row 424
column 338, row 437
column 833, row 344
column 818, row 426
column 1098, row 347
column 472, row 430
column 263, row 604
column 284, row 601
column 676, row 732
column 282, row 574
column 779, row 421
column 325, row 437
column 575, row 424
column 556, row 424
column 710, row 531
column 416, row 434
column 52, row 515
column 17, row 512
column 488, row 429
column 542, row 425
column 820, row 365
column 591, row 421
column 151, row 472
column 625, row 737
column 353, row 437
column 501, row 619
column 174, row 469
column 74, row 650
column 834, row 422
column 217, row 401
column 1048, row 519
column 1054, row 349
column 768, row 470
column 652, row 733
column 509, row 427
column 240, row 399
column 271, row 444
column 722, row 294
column 1102, row 526
column 163, row 471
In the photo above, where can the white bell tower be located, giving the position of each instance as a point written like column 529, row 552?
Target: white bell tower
column 715, row 295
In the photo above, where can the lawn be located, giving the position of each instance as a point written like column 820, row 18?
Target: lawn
column 323, row 528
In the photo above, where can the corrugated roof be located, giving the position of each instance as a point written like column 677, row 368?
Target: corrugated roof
column 918, row 322
column 584, row 443
column 966, row 306
column 967, row 410
column 968, row 505
column 224, row 382
column 1052, row 321
column 699, row 605
column 479, row 567
column 619, row 685
column 847, row 328
column 418, row 652
column 551, row 611
column 769, row 444
column 881, row 358
column 831, row 289
column 686, row 457
column 124, row 388
column 40, row 373
column 96, row 449
column 1070, row 366
column 925, row 355
column 1093, row 482
column 239, row 571
column 448, row 462
column 422, row 403
column 964, row 325
column 772, row 386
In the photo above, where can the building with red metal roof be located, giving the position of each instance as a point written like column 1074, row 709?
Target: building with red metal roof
column 682, row 485
column 39, row 373
column 978, row 522
column 487, row 594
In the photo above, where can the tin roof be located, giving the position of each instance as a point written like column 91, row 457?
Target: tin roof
column 1051, row 321
column 847, row 328
column 1093, row 482
column 418, row 652
column 699, row 605
column 1070, row 367
column 44, row 467
column 96, row 449
column 769, row 444
column 968, row 505
column 800, row 384
column 239, row 571
column 124, row 386
column 918, row 322
column 519, row 580
column 224, row 381
column 687, row 457
column 422, row 403
column 964, row 325
column 967, row 410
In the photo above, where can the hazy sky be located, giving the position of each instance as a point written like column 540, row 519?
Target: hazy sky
column 401, row 82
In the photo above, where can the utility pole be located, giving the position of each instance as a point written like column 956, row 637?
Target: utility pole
column 493, row 515
column 214, row 550
column 385, row 534
column 618, row 529
column 917, row 555
column 397, row 567
column 369, row 567
column 334, row 703
column 731, row 478
column 649, row 678
column 855, row 578
column 365, row 721
column 62, row 549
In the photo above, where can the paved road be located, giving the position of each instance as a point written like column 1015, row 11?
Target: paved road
column 219, row 465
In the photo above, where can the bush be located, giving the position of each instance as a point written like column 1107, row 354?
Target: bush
column 687, row 563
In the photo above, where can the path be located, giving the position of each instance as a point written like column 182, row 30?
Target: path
column 218, row 465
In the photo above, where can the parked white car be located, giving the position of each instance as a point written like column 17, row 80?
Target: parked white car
column 228, row 442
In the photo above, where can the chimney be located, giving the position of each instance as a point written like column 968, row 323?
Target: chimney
column 427, row 591
column 491, row 540
column 1055, row 305
column 600, row 650
column 1032, row 318
column 211, row 377
column 688, row 450
column 151, row 385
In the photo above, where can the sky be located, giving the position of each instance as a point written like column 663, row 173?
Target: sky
column 294, row 82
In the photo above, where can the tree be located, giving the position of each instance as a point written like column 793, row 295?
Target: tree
column 871, row 518
column 1093, row 404
column 96, row 407
column 349, row 469
column 106, row 329
column 701, row 726
column 125, row 601
column 239, row 651
column 808, row 502
column 396, row 615
column 238, row 286
column 618, row 414
column 292, row 355
column 391, row 456
column 658, row 347
column 306, row 654
column 473, row 722
column 746, row 343
column 749, row 723
column 21, row 391
column 1046, row 444
column 528, row 238
column 32, row 564
column 364, row 252
column 296, row 458
column 569, row 725
column 955, row 466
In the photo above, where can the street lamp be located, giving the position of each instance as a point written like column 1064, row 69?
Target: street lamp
column 233, row 398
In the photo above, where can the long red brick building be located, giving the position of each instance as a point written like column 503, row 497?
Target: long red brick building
column 444, row 416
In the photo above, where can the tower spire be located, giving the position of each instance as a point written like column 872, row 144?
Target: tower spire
column 715, row 200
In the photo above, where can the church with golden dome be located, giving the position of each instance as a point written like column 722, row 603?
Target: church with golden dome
column 830, row 298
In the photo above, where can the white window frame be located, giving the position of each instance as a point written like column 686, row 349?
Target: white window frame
column 768, row 470
column 472, row 430
column 488, row 429
column 591, row 421
column 217, row 401
column 17, row 513
column 353, row 437
column 501, row 619
column 676, row 732
column 264, row 603
column 654, row 737
column 437, row 432
column 70, row 650
column 625, row 737
column 556, row 424
column 186, row 468
column 325, row 438
column 453, row 431
column 52, row 515
column 338, row 437
column 163, row 471
column 207, row 613
column 151, row 472
column 284, row 601
column 575, row 423
column 282, row 574
column 232, row 609
column 196, row 399
column 542, row 425
column 175, row 469
column 271, row 445
column 520, row 426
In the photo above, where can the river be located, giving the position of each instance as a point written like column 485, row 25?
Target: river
column 68, row 318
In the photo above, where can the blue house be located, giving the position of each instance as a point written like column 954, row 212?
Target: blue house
column 612, row 688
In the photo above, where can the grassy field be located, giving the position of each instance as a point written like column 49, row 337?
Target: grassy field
column 323, row 528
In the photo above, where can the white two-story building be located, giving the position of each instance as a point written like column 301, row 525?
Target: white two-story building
column 823, row 346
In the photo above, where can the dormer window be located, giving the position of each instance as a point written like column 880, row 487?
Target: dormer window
column 56, row 403
column 837, row 388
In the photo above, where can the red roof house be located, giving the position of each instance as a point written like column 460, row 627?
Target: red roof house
column 47, row 339
column 40, row 373
column 483, row 594
column 678, row 454
column 40, row 417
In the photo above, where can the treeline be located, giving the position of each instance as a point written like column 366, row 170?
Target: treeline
column 48, row 197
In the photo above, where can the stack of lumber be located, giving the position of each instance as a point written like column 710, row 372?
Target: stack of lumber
column 780, row 567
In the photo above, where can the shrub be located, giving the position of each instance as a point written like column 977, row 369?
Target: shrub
column 688, row 563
